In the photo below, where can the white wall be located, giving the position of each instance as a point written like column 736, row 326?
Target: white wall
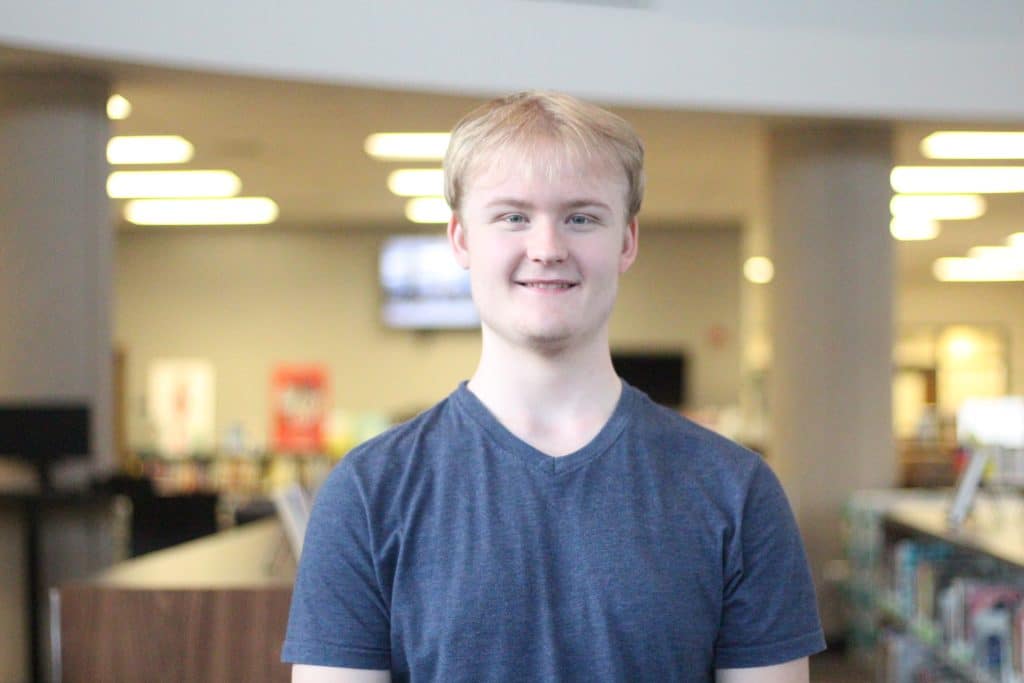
column 945, row 59
column 248, row 299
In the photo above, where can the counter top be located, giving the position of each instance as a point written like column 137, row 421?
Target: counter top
column 995, row 526
column 249, row 556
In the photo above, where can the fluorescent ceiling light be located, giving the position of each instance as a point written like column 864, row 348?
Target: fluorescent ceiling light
column 952, row 269
column 131, row 184
column 417, row 182
column 908, row 228
column 407, row 146
column 997, row 253
column 957, row 179
column 234, row 211
column 759, row 269
column 427, row 210
column 118, row 108
column 937, row 206
column 965, row 144
column 149, row 149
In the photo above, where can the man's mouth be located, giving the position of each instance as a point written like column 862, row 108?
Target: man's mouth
column 546, row 284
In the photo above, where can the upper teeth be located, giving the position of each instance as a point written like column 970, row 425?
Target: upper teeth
column 549, row 285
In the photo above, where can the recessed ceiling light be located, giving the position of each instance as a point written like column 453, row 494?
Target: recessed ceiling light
column 132, row 184
column 149, row 149
column 759, row 269
column 937, row 206
column 233, row 211
column 417, row 182
column 954, row 269
column 427, row 210
column 118, row 108
column 914, row 228
column 407, row 146
column 965, row 144
column 957, row 179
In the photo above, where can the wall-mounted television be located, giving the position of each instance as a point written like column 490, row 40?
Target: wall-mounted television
column 662, row 375
column 423, row 287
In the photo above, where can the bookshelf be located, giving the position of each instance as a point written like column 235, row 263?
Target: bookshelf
column 946, row 604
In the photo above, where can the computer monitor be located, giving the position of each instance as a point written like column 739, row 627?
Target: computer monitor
column 660, row 374
column 42, row 433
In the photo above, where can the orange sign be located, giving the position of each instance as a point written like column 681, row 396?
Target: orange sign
column 299, row 405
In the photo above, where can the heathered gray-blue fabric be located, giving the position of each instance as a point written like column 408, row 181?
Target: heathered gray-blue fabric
column 449, row 550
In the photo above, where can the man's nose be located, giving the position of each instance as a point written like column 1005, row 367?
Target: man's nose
column 546, row 243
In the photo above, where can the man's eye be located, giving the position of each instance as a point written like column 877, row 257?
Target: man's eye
column 514, row 218
column 580, row 219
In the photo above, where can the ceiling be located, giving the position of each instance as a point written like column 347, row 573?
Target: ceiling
column 302, row 145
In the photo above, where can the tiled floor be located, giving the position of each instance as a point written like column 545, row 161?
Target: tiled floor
column 833, row 667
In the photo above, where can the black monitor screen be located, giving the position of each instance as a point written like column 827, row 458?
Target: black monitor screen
column 44, row 430
column 661, row 374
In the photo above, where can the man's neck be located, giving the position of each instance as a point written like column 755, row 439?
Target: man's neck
column 556, row 402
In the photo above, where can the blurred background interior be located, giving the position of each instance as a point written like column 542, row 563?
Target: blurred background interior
column 216, row 278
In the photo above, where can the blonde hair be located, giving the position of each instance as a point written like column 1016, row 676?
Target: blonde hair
column 537, row 123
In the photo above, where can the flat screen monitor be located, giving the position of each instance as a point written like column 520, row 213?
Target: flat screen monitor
column 659, row 374
column 423, row 287
column 44, row 430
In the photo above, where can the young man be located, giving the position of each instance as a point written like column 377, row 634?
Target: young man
column 546, row 521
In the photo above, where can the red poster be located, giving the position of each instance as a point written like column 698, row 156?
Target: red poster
column 298, row 398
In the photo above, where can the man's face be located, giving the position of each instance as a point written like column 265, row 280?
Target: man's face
column 544, row 251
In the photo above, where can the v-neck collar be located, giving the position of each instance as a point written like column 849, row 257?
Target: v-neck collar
column 467, row 401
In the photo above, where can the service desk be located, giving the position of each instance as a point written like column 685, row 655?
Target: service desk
column 214, row 609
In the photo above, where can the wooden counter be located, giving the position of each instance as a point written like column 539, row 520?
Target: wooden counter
column 214, row 609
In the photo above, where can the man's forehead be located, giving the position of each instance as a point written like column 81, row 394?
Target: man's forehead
column 545, row 163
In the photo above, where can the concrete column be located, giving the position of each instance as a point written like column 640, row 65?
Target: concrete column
column 56, row 252
column 56, row 246
column 832, row 319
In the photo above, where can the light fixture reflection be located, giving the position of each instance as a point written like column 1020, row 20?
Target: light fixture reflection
column 914, row 228
column 233, row 211
column 938, row 206
column 759, row 269
column 149, row 149
column 956, row 269
column 134, row 184
column 964, row 144
column 427, row 210
column 417, row 182
column 957, row 179
column 118, row 108
column 996, row 253
column 407, row 146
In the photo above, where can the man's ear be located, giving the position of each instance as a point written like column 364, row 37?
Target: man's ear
column 457, row 239
column 630, row 244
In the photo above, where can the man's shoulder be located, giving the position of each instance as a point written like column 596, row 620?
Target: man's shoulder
column 663, row 424
column 669, row 432
column 404, row 440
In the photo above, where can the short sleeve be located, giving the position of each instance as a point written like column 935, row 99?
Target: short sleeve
column 769, row 610
column 338, row 614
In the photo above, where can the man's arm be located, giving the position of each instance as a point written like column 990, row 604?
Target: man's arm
column 306, row 673
column 795, row 671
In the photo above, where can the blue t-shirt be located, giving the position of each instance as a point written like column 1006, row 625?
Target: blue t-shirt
column 447, row 549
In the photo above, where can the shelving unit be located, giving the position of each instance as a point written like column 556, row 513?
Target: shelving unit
column 946, row 601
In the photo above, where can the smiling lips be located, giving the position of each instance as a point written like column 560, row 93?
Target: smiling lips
column 547, row 285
